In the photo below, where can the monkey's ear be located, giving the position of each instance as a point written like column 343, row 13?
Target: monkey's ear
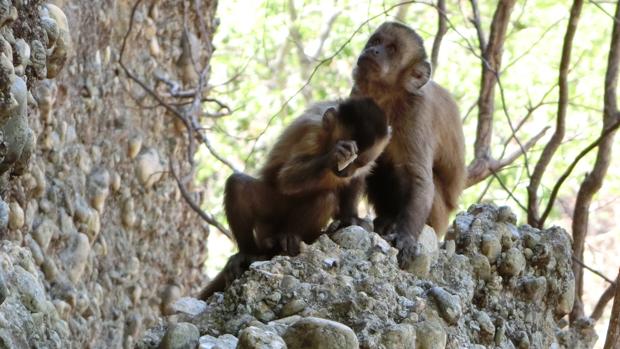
column 329, row 118
column 420, row 75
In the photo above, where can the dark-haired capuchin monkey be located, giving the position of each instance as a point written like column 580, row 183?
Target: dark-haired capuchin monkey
column 314, row 170
column 421, row 173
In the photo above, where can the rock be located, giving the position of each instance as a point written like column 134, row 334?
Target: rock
column 16, row 216
column 352, row 237
column 430, row 335
column 491, row 247
column 512, row 263
column 449, row 305
column 190, row 306
column 399, row 336
column 255, row 338
column 75, row 256
column 4, row 214
column 317, row 333
column 149, row 168
column 293, row 307
column 226, row 341
column 180, row 336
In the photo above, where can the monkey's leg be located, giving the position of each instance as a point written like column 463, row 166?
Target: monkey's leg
column 348, row 200
column 246, row 202
column 305, row 220
column 439, row 216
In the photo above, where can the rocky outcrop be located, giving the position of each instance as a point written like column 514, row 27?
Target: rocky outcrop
column 492, row 284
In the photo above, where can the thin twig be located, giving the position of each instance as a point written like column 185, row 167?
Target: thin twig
column 594, row 271
column 441, row 31
column 599, row 308
column 192, row 204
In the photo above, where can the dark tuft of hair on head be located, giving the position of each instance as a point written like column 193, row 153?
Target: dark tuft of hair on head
column 365, row 119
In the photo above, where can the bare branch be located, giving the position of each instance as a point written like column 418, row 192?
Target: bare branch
column 510, row 194
column 594, row 271
column 560, row 128
column 594, row 180
column 327, row 28
column 491, row 64
column 613, row 331
column 571, row 167
column 441, row 31
column 482, row 42
column 493, row 166
column 607, row 295
column 194, row 206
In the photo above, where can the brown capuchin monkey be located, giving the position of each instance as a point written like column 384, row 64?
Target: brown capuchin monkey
column 314, row 171
column 421, row 173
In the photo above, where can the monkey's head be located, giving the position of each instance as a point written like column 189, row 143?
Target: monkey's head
column 393, row 58
column 358, row 119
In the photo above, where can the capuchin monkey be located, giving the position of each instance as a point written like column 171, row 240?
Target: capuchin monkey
column 421, row 173
column 313, row 174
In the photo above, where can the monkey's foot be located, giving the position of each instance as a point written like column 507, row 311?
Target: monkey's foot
column 407, row 248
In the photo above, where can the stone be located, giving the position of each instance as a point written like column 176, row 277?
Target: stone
column 255, row 338
column 449, row 305
column 491, row 247
column 149, row 167
column 352, row 237
column 16, row 216
column 226, row 341
column 430, row 335
column 512, row 263
column 182, row 335
column 317, row 333
column 399, row 336
column 4, row 214
column 75, row 256
column 190, row 306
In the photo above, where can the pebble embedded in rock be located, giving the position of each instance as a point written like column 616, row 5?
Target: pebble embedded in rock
column 190, row 306
column 352, row 237
column 180, row 336
column 4, row 214
column 491, row 247
column 75, row 256
column 317, row 333
column 149, row 168
column 449, row 305
column 255, row 338
column 512, row 262
column 16, row 216
column 430, row 335
column 226, row 341
column 399, row 336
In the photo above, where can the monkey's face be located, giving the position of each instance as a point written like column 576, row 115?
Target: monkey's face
column 394, row 56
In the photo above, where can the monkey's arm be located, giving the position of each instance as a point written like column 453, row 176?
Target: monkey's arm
column 348, row 200
column 313, row 172
column 414, row 213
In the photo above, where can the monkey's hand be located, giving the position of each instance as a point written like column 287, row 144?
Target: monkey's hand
column 343, row 153
column 238, row 263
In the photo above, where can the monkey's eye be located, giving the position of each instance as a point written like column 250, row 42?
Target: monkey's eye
column 373, row 42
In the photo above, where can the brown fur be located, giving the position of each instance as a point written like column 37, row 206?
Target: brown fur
column 300, row 188
column 421, row 173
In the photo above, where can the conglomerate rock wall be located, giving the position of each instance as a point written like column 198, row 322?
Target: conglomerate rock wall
column 96, row 238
